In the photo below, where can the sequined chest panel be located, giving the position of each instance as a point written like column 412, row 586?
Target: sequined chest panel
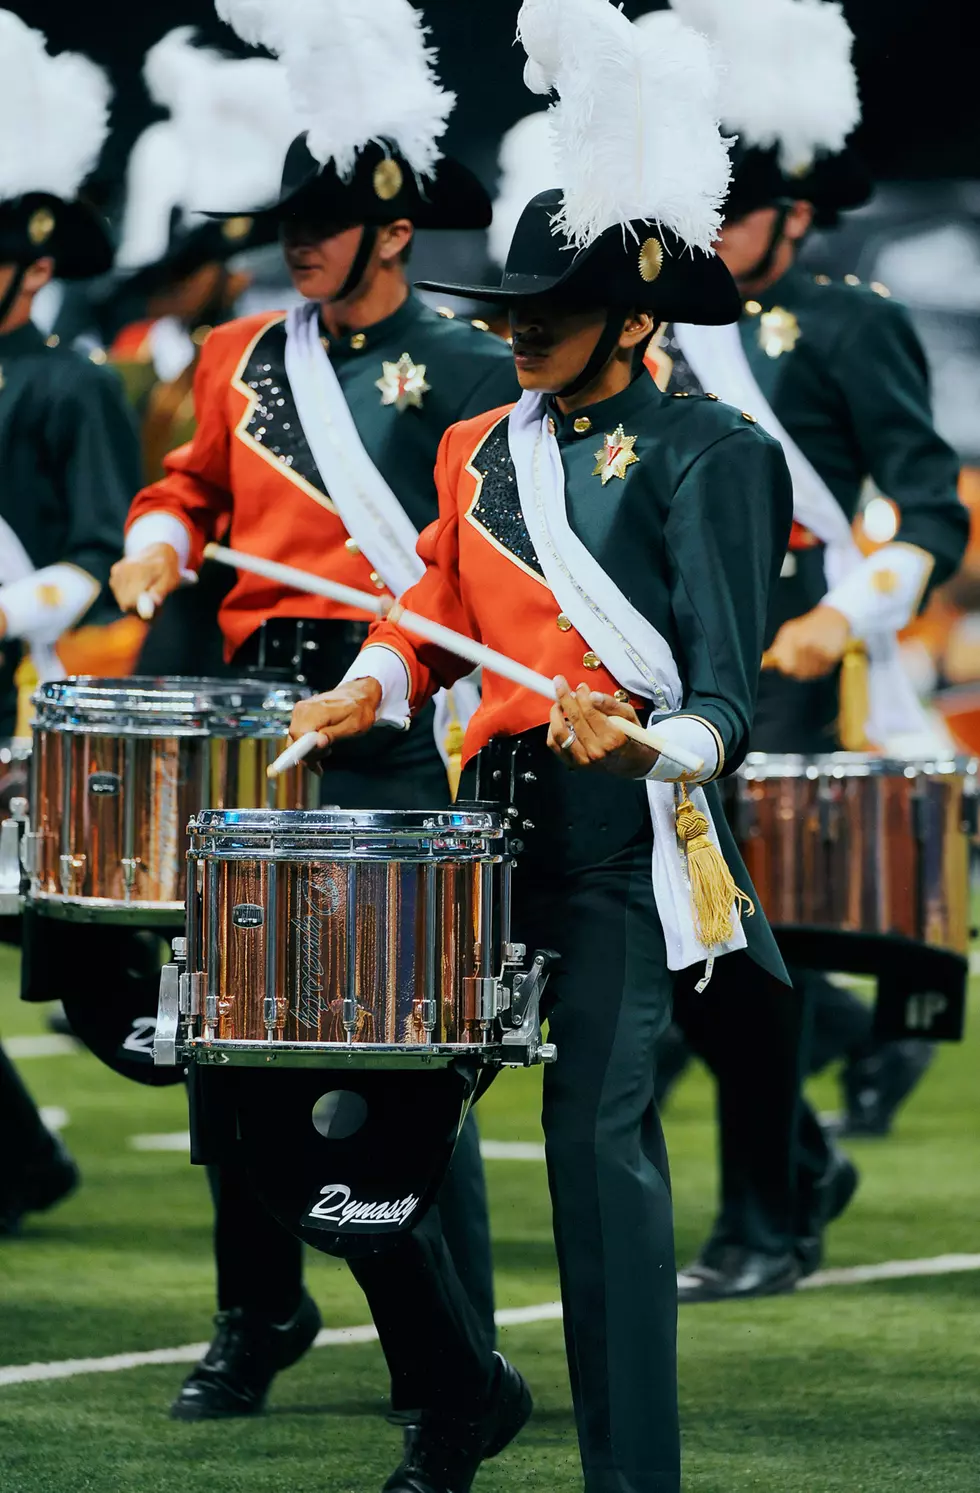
column 496, row 507
column 271, row 423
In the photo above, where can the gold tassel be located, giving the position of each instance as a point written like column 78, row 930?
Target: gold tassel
column 855, row 703
column 455, row 735
column 713, row 891
column 26, row 682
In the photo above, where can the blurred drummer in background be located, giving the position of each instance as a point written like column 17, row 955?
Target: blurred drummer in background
column 837, row 374
column 315, row 445
column 68, row 454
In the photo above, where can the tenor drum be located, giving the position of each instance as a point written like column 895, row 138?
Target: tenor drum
column 860, row 846
column 357, row 938
column 119, row 767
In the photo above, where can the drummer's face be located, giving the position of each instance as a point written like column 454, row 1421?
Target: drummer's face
column 319, row 257
column 552, row 344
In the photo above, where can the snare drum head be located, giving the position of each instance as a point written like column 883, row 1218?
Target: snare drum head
column 166, row 706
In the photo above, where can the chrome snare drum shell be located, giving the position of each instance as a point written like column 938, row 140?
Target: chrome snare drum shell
column 121, row 765
column 378, row 936
column 862, row 845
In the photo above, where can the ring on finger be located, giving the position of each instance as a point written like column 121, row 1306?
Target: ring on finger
column 569, row 739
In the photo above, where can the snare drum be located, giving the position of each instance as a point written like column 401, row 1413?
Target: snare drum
column 120, row 765
column 860, row 845
column 351, row 937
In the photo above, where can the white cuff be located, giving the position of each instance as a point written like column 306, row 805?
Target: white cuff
column 43, row 605
column 389, row 669
column 158, row 528
column 693, row 736
column 883, row 593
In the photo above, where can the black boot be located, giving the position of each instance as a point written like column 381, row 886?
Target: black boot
column 446, row 1450
column 828, row 1200
column 732, row 1272
column 41, row 1184
column 877, row 1084
column 246, row 1354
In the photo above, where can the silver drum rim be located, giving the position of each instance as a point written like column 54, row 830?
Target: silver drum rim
column 165, row 706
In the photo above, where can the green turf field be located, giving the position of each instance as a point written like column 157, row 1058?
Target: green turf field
column 848, row 1389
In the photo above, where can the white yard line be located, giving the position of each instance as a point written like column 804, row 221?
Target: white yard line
column 173, row 1140
column 547, row 1311
column 54, row 1117
column 491, row 1150
column 52, row 1046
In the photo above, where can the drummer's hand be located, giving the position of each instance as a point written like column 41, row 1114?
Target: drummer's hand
column 154, row 572
column 596, row 743
column 808, row 647
column 349, row 710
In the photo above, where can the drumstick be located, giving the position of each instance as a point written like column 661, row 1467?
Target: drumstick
column 293, row 754
column 475, row 653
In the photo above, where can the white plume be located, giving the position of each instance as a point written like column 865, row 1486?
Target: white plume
column 527, row 166
column 636, row 126
column 789, row 80
column 54, row 114
column 221, row 150
column 359, row 70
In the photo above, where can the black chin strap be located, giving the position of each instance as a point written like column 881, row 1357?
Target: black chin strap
column 601, row 354
column 761, row 270
column 369, row 237
column 12, row 292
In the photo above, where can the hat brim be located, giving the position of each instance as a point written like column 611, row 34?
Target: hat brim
column 77, row 236
column 833, row 184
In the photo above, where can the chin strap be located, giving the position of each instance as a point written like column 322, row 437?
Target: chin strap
column 601, row 354
column 369, row 237
column 12, row 292
column 761, row 270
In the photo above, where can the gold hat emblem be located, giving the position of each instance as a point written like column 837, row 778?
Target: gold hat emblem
column 40, row 226
column 234, row 229
column 651, row 259
column 388, row 179
column 779, row 332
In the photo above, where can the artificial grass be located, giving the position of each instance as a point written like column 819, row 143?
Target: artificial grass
column 856, row 1389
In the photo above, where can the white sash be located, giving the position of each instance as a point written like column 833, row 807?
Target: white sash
column 718, row 358
column 15, row 565
column 629, row 646
column 369, row 510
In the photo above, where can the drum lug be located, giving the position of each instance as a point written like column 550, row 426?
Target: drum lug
column 130, row 865
column 29, row 857
column 349, row 1017
column 172, row 978
column 190, row 994
column 72, row 872
column 11, row 870
column 483, row 997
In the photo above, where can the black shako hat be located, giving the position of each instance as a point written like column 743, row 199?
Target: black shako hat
column 193, row 245
column 381, row 188
column 40, row 225
column 834, row 183
column 641, row 266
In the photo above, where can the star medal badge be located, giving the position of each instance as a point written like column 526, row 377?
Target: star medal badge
column 403, row 383
column 616, row 455
column 779, row 332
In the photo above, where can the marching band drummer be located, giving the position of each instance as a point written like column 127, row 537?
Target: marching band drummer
column 68, row 455
column 316, row 441
column 837, row 374
column 626, row 543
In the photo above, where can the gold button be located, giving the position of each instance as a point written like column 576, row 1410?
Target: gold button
column 851, row 280
column 712, row 396
column 880, row 289
column 623, row 696
column 564, row 623
column 592, row 660
column 752, row 308
column 445, row 311
column 552, row 427
column 582, row 424
column 98, row 355
column 821, row 279
column 751, row 418
column 53, row 340
column 377, row 581
column 481, row 326
column 352, row 547
column 201, row 334
column 357, row 341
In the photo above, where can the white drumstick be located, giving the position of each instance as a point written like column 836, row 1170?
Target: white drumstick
column 475, row 653
column 293, row 754
column 146, row 606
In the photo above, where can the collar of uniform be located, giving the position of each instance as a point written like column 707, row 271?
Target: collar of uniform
column 26, row 339
column 380, row 333
column 625, row 408
column 787, row 291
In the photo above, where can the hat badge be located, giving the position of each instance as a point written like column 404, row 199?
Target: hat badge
column 651, row 259
column 388, row 178
column 40, row 226
column 235, row 229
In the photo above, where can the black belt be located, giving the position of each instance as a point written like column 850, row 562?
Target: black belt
column 306, row 650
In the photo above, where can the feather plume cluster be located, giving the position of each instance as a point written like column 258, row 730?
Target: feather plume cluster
column 359, row 70
column 221, row 150
column 789, row 80
column 636, row 123
column 527, row 167
column 54, row 114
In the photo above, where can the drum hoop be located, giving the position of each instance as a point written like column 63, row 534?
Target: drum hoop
column 762, row 766
column 165, row 706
